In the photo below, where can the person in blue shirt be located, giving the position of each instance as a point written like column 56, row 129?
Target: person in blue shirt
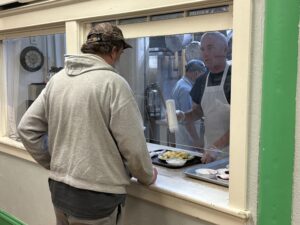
column 188, row 134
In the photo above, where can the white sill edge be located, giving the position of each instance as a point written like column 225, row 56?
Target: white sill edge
column 242, row 214
column 12, row 143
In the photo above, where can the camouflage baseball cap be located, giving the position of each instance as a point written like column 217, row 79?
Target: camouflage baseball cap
column 106, row 33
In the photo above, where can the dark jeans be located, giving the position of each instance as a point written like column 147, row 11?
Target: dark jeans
column 116, row 218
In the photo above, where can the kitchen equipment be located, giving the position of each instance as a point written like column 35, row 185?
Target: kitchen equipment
column 34, row 89
column 172, row 118
column 153, row 101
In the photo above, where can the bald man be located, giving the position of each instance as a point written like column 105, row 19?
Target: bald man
column 211, row 97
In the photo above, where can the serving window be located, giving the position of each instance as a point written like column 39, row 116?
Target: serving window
column 162, row 46
column 157, row 64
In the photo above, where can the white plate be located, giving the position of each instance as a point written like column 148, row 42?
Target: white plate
column 176, row 162
column 223, row 171
column 223, row 177
column 205, row 172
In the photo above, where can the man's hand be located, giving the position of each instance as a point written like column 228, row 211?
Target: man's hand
column 180, row 115
column 210, row 155
column 207, row 158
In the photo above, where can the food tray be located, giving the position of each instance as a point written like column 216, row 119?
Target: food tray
column 157, row 161
column 213, row 165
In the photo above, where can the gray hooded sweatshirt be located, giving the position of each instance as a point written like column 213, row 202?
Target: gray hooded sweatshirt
column 95, row 130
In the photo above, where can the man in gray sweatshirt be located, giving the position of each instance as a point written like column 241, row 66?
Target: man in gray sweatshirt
column 86, row 129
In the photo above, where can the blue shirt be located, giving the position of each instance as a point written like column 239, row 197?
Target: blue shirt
column 181, row 94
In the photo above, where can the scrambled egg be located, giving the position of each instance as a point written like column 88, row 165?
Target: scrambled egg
column 174, row 155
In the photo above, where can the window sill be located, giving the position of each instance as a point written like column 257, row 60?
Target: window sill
column 14, row 148
column 173, row 190
column 199, row 199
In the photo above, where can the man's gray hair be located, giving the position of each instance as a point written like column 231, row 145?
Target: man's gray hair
column 221, row 38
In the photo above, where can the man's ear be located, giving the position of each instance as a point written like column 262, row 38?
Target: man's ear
column 114, row 51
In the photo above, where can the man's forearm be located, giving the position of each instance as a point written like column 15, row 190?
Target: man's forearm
column 223, row 141
column 194, row 114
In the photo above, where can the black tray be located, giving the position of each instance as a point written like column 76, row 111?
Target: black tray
column 157, row 161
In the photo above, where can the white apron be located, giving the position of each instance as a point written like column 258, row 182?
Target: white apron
column 182, row 136
column 216, row 110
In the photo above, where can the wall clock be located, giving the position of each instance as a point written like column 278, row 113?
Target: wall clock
column 31, row 59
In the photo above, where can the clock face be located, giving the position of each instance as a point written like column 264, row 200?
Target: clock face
column 31, row 59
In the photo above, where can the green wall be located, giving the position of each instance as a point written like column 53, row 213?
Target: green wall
column 277, row 143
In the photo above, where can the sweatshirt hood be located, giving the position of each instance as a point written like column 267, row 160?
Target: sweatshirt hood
column 79, row 64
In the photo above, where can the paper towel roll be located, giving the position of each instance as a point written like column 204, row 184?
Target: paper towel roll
column 171, row 113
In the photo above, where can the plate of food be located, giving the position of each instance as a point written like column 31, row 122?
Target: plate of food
column 171, row 154
column 175, row 158
column 206, row 172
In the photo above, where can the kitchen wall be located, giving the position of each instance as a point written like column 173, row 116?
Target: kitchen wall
column 24, row 191
column 134, row 73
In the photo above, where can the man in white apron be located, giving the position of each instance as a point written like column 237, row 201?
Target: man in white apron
column 211, row 97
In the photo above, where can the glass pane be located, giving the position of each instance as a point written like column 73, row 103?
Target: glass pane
column 157, row 64
column 29, row 63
